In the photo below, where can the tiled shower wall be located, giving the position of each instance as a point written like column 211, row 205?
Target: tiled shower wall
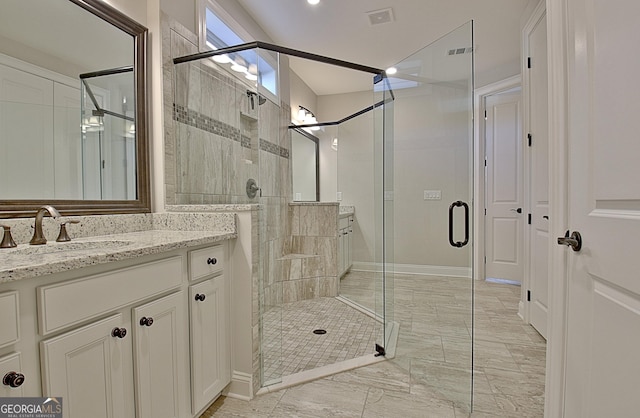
column 214, row 143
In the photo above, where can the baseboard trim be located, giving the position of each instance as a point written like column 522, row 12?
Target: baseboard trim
column 241, row 386
column 417, row 269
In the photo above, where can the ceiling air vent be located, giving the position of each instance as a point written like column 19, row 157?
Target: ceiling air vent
column 460, row 51
column 378, row 17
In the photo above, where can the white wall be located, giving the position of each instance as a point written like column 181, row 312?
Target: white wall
column 431, row 153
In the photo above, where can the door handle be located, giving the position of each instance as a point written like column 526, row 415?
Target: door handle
column 519, row 210
column 574, row 240
column 457, row 204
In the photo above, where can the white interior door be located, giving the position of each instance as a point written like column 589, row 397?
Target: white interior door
column 505, row 215
column 538, row 129
column 67, row 150
column 603, row 285
column 26, row 135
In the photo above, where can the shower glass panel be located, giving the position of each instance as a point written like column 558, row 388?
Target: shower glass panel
column 384, row 113
column 355, row 172
column 429, row 186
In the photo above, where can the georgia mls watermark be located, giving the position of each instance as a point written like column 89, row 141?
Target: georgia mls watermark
column 30, row 407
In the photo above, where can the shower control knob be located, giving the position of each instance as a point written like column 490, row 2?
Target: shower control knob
column 13, row 379
column 212, row 260
column 200, row 297
column 146, row 322
column 119, row 332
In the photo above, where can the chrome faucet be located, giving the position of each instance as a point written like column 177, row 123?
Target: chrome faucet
column 38, row 235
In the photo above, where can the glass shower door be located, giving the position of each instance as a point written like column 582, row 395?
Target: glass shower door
column 428, row 191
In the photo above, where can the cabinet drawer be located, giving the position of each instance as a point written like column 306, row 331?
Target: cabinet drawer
column 9, row 319
column 206, row 261
column 8, row 364
column 69, row 303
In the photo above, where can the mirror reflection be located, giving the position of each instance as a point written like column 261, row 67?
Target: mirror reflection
column 67, row 104
column 305, row 166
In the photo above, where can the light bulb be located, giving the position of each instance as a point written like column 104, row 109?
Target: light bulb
column 391, row 70
column 238, row 67
column 222, row 59
column 313, row 2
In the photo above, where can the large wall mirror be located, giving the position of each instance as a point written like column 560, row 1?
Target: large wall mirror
column 73, row 125
column 305, row 166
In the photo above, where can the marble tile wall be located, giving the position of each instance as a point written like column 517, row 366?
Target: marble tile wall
column 215, row 140
column 308, row 270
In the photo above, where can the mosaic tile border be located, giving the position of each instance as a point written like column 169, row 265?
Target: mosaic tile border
column 198, row 120
column 273, row 148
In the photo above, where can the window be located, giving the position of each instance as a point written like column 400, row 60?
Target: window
column 219, row 30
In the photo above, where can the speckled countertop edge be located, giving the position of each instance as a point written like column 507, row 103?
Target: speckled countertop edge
column 213, row 208
column 15, row 265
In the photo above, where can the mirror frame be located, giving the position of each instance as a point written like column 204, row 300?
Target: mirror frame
column 142, row 204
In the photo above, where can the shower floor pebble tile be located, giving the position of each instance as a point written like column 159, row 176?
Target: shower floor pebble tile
column 350, row 334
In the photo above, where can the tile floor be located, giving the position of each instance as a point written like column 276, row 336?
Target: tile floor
column 430, row 376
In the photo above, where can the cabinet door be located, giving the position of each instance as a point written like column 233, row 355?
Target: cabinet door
column 210, row 359
column 11, row 364
column 341, row 260
column 348, row 249
column 158, row 338
column 88, row 368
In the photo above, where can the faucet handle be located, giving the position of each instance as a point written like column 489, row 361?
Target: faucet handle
column 7, row 239
column 63, row 236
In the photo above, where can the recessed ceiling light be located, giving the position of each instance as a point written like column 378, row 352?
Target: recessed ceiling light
column 313, row 1
column 391, row 70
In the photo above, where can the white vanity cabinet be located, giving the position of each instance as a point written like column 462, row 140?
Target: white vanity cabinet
column 159, row 350
column 147, row 338
column 210, row 338
column 89, row 368
column 345, row 244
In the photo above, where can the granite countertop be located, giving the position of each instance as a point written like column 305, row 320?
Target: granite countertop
column 26, row 261
column 346, row 211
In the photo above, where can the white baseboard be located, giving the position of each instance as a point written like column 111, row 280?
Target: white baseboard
column 415, row 269
column 521, row 312
column 241, row 386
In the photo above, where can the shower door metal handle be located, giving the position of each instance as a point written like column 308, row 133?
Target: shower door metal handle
column 457, row 204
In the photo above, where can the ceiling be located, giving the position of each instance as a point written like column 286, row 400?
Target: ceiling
column 341, row 29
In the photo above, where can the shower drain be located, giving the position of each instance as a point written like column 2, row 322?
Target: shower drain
column 319, row 331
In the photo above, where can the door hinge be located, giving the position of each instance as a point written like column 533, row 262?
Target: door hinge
column 529, row 219
column 485, row 114
column 528, row 62
column 529, row 138
column 485, row 162
column 528, row 295
column 485, row 259
column 485, row 211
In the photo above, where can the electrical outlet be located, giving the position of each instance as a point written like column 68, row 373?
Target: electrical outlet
column 339, row 196
column 433, row 195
